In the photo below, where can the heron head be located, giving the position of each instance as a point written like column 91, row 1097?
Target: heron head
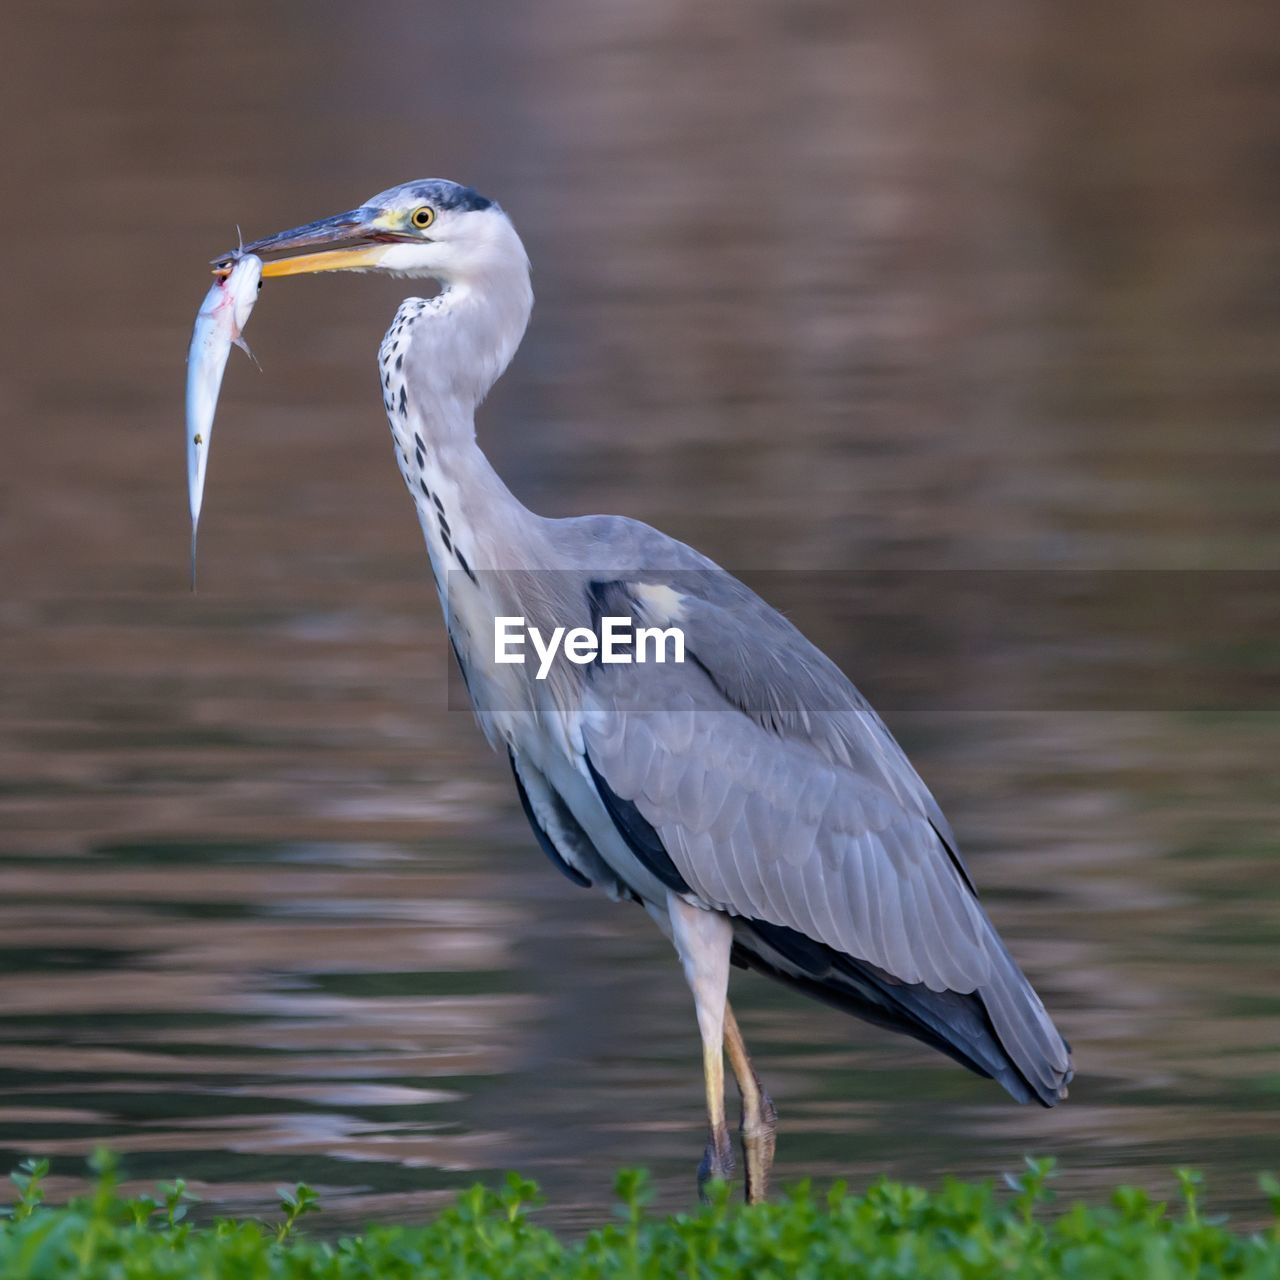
column 431, row 228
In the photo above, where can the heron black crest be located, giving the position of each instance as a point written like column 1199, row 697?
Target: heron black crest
column 446, row 196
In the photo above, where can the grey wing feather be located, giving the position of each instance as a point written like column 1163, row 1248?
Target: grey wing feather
column 558, row 831
column 803, row 831
column 781, row 797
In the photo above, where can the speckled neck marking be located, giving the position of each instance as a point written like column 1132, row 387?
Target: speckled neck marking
column 428, row 485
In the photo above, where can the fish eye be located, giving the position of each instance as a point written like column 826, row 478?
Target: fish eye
column 423, row 217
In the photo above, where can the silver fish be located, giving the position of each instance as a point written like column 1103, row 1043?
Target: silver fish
column 219, row 324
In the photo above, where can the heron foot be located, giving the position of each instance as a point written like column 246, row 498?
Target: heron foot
column 717, row 1160
column 758, row 1131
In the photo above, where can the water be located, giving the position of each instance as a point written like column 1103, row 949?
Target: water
column 820, row 288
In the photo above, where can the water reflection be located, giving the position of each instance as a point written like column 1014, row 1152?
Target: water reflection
column 817, row 289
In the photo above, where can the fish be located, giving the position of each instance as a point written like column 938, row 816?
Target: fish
column 219, row 326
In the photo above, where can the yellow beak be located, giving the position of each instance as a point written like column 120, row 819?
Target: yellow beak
column 361, row 258
column 359, row 239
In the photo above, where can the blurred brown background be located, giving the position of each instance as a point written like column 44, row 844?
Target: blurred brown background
column 821, row 286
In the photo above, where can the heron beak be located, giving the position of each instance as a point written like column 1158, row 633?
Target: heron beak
column 361, row 237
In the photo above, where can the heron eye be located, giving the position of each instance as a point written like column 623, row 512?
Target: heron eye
column 422, row 218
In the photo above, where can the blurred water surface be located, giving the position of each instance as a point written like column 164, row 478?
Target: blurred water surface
column 821, row 287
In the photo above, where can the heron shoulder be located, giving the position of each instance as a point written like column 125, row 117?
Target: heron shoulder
column 604, row 544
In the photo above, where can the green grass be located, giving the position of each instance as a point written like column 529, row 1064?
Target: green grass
column 965, row 1231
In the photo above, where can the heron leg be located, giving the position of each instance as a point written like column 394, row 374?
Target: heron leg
column 759, row 1118
column 703, row 940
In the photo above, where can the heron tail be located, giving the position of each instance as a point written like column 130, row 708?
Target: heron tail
column 1000, row 1031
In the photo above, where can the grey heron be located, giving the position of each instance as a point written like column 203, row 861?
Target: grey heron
column 749, row 799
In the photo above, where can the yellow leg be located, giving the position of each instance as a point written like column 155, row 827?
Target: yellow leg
column 759, row 1118
column 703, row 940
column 717, row 1160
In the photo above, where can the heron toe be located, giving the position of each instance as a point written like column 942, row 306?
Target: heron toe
column 717, row 1160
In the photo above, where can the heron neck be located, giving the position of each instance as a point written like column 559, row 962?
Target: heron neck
column 477, row 326
column 437, row 361
column 489, row 527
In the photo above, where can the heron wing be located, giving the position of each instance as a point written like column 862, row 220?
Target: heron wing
column 780, row 797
